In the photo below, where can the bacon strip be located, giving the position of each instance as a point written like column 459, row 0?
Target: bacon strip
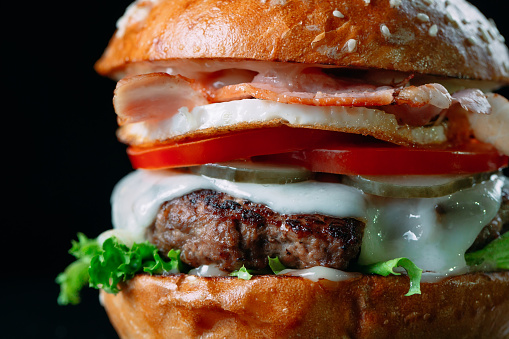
column 430, row 94
column 314, row 87
column 473, row 101
column 308, row 87
column 154, row 96
column 267, row 92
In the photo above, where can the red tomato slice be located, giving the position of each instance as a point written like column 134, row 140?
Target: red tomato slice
column 386, row 159
column 320, row 151
column 230, row 146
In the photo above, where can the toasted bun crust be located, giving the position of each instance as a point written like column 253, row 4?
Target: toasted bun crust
column 431, row 37
column 183, row 306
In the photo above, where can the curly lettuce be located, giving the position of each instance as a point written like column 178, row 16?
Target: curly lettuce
column 107, row 265
column 114, row 262
column 493, row 257
column 76, row 276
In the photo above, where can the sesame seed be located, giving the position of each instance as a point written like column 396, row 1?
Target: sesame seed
column 471, row 41
column 385, row 31
column 367, row 2
column 484, row 34
column 351, row 45
column 423, row 17
column 313, row 28
column 428, row 2
column 495, row 31
column 395, row 3
column 489, row 50
column 433, row 30
column 319, row 37
column 451, row 19
column 338, row 14
column 492, row 35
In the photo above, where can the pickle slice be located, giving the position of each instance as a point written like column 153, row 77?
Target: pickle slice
column 259, row 173
column 415, row 186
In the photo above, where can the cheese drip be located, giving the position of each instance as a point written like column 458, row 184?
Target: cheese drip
column 432, row 232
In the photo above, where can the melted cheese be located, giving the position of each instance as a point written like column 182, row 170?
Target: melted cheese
column 432, row 232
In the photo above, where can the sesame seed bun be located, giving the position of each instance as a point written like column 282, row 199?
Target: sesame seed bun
column 440, row 37
column 183, row 306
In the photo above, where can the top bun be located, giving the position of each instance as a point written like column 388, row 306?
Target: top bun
column 439, row 37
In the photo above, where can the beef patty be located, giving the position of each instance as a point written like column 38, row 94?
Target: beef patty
column 210, row 227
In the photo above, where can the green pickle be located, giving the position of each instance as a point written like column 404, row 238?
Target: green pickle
column 415, row 186
column 250, row 172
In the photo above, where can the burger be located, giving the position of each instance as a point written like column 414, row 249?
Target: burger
column 325, row 169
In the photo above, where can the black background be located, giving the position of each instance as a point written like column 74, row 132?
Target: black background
column 61, row 157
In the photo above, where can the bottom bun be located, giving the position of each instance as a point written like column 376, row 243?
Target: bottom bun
column 181, row 306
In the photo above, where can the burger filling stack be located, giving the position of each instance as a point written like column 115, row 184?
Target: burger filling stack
column 313, row 168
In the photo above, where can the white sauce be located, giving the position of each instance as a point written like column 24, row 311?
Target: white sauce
column 124, row 236
column 412, row 228
column 318, row 272
column 208, row 271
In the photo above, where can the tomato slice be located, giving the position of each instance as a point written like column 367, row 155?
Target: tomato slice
column 376, row 158
column 321, row 151
column 231, row 146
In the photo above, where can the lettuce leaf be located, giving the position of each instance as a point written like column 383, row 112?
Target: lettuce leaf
column 385, row 268
column 71, row 281
column 84, row 247
column 75, row 276
column 495, row 256
column 117, row 263
column 106, row 267
column 275, row 265
column 159, row 265
column 242, row 273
